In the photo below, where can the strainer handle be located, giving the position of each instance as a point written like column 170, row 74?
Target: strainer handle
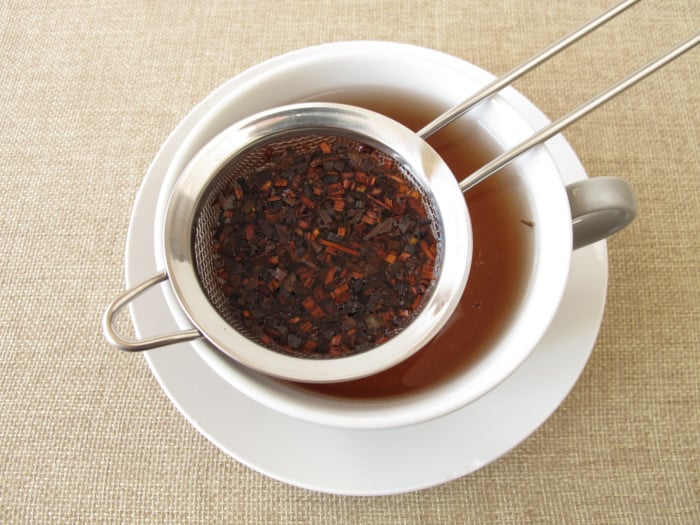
column 138, row 345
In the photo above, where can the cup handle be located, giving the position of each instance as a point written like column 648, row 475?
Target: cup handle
column 600, row 207
column 132, row 345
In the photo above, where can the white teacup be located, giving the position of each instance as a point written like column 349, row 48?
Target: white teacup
column 404, row 74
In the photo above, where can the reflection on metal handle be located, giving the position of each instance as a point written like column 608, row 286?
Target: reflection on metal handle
column 131, row 345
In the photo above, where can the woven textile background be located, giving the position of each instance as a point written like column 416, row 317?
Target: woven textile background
column 89, row 91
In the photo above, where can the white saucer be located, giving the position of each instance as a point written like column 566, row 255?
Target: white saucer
column 365, row 462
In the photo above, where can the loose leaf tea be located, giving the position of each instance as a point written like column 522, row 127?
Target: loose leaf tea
column 327, row 249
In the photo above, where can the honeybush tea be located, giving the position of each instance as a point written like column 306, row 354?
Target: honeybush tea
column 327, row 248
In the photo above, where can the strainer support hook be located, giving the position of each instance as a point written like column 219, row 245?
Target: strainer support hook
column 138, row 345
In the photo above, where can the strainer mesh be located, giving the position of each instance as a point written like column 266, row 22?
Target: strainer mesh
column 254, row 160
column 207, row 220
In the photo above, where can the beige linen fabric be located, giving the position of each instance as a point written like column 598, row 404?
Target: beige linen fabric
column 88, row 92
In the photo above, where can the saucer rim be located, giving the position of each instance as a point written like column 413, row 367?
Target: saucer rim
column 164, row 362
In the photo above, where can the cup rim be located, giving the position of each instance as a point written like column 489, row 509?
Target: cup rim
column 552, row 269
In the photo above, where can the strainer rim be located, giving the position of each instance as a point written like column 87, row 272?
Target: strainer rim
column 438, row 182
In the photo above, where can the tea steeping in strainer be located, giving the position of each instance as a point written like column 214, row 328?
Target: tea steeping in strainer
column 302, row 258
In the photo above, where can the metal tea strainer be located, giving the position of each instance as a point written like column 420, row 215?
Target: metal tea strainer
column 241, row 148
column 247, row 147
